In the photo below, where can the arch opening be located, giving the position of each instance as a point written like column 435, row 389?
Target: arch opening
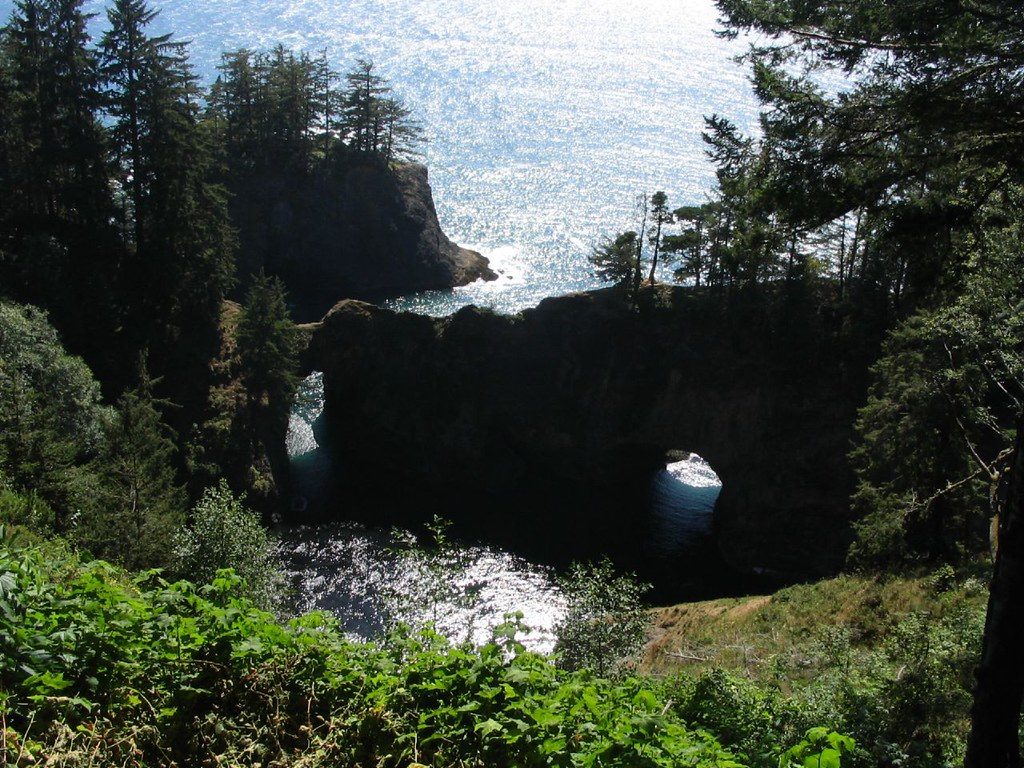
column 682, row 504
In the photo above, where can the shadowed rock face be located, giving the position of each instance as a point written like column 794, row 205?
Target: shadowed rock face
column 587, row 391
column 360, row 229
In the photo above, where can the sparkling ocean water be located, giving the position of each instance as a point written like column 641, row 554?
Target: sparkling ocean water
column 546, row 119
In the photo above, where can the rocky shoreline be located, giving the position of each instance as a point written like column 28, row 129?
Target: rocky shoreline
column 355, row 229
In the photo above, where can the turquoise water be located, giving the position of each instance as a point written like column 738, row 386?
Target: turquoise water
column 545, row 118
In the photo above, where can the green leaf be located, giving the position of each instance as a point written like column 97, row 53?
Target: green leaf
column 489, row 726
column 545, row 718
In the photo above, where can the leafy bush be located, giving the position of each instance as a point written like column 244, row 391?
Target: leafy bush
column 431, row 581
column 887, row 661
column 33, row 358
column 752, row 718
column 100, row 668
column 604, row 626
column 907, row 702
column 223, row 533
column 51, row 419
column 819, row 748
column 26, row 509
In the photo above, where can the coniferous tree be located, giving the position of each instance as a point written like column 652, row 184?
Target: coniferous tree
column 57, row 246
column 926, row 143
column 690, row 247
column 237, row 106
column 140, row 505
column 375, row 122
column 327, row 103
column 616, row 260
column 130, row 62
column 266, row 340
column 403, row 136
column 661, row 215
column 182, row 259
column 363, row 120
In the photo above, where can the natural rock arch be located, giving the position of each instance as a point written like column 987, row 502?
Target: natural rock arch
column 587, row 389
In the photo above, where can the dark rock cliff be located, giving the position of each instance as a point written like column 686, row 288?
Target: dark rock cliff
column 351, row 229
column 586, row 390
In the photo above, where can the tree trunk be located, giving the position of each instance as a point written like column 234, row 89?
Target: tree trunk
column 995, row 716
column 657, row 247
column 638, row 274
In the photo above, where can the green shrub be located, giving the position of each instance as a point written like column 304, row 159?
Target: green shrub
column 819, row 748
column 33, row 358
column 223, row 533
column 139, row 671
column 431, row 585
column 51, row 420
column 27, row 509
column 754, row 719
column 605, row 623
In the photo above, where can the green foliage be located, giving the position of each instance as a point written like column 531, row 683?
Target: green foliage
column 911, row 147
column 740, row 712
column 605, row 621
column 934, row 438
column 274, row 110
column 904, row 702
column 374, row 121
column 139, row 504
column 144, row 672
column 51, row 419
column 33, row 359
column 692, row 247
column 267, row 346
column 818, row 749
column 25, row 509
column 56, row 208
column 616, row 260
column 660, row 216
column 222, row 533
column 886, row 661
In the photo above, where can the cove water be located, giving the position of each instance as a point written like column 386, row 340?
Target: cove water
column 357, row 568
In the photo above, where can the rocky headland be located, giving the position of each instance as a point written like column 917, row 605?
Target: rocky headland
column 357, row 228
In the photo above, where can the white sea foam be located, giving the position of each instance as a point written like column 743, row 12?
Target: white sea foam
column 694, row 472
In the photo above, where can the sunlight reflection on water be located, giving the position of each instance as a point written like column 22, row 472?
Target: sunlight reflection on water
column 354, row 571
column 545, row 117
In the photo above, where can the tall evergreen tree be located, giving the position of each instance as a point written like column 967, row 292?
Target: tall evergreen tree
column 927, row 132
column 661, row 215
column 182, row 260
column 140, row 506
column 616, row 260
column 691, row 247
column 58, row 248
column 267, row 345
column 375, row 122
column 134, row 64
column 367, row 90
